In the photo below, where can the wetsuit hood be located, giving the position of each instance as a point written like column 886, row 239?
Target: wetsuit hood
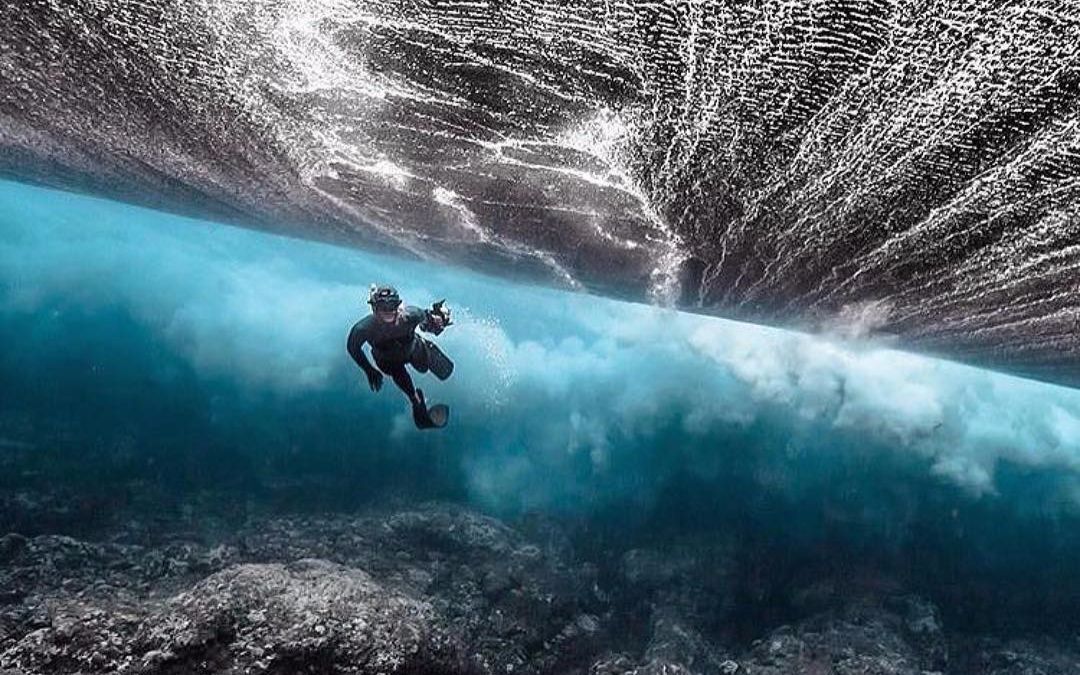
column 383, row 298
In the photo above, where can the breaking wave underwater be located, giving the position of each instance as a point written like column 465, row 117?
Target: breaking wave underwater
column 151, row 354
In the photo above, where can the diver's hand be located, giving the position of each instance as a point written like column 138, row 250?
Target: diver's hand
column 374, row 379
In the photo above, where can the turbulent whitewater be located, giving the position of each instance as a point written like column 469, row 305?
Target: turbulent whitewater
column 907, row 169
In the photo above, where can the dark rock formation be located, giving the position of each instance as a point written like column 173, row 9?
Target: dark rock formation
column 907, row 168
column 860, row 639
column 247, row 618
column 684, row 598
column 440, row 589
column 1018, row 657
column 431, row 590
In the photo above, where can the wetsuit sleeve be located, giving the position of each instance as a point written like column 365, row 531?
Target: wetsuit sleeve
column 357, row 338
column 415, row 315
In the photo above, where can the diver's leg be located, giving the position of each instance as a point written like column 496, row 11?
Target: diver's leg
column 396, row 370
column 404, row 382
column 421, row 416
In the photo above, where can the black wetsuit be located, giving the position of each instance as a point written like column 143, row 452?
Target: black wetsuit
column 395, row 345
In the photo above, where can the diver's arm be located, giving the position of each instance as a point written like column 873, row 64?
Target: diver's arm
column 418, row 317
column 355, row 347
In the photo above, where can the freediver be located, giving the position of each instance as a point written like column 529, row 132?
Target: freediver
column 390, row 329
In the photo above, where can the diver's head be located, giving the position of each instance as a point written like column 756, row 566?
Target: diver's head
column 384, row 301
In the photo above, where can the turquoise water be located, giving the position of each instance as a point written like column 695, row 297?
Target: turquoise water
column 151, row 350
column 546, row 381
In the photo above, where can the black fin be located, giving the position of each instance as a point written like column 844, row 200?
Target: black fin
column 439, row 414
column 439, row 363
column 429, row 418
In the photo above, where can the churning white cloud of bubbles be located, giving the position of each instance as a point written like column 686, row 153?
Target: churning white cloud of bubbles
column 550, row 386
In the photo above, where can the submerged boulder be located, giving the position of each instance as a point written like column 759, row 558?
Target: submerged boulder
column 861, row 639
column 269, row 617
column 989, row 656
column 250, row 618
column 431, row 588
